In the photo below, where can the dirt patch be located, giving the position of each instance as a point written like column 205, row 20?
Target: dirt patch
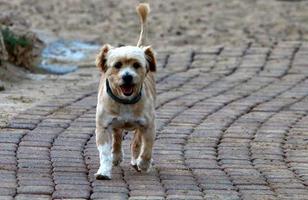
column 24, row 90
column 173, row 24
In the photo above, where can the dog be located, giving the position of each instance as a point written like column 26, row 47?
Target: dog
column 126, row 102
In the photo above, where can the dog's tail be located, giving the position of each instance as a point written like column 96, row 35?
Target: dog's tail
column 143, row 10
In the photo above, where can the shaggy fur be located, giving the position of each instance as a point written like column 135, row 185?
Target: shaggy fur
column 112, row 117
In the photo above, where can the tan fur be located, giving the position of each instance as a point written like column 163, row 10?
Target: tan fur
column 150, row 58
column 116, row 146
column 136, row 145
column 113, row 117
column 100, row 61
column 143, row 11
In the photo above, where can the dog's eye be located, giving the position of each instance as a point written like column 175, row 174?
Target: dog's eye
column 118, row 65
column 136, row 65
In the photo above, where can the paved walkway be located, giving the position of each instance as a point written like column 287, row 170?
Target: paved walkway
column 231, row 124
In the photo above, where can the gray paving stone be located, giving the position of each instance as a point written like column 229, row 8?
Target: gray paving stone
column 230, row 125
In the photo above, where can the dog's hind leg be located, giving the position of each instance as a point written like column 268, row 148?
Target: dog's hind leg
column 103, row 142
column 135, row 148
column 117, row 147
column 147, row 140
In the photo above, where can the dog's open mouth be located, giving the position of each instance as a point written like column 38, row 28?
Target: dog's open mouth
column 127, row 90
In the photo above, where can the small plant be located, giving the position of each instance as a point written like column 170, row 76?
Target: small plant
column 11, row 41
column 23, row 48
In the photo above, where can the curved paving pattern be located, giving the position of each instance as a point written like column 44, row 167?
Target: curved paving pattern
column 232, row 124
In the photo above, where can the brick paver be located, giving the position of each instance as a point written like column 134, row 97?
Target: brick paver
column 232, row 123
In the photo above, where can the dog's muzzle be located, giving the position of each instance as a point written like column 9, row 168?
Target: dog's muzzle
column 127, row 87
column 127, row 79
column 120, row 100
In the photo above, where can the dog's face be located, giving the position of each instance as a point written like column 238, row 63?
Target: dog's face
column 126, row 68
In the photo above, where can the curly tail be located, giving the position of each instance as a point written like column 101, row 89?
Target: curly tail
column 143, row 10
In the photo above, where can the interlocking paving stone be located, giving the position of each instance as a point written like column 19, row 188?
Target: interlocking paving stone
column 231, row 124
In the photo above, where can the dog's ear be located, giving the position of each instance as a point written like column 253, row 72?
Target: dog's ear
column 102, row 57
column 150, row 57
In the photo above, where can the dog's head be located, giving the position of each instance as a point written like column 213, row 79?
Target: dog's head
column 125, row 68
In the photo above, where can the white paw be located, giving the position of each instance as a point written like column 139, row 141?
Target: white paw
column 133, row 161
column 105, row 168
column 102, row 174
column 144, row 165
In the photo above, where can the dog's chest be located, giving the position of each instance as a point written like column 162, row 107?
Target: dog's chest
column 126, row 119
column 126, row 116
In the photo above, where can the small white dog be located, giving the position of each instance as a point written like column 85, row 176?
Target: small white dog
column 126, row 101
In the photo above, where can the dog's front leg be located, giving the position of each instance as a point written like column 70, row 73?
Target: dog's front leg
column 135, row 148
column 147, row 139
column 103, row 142
column 117, row 147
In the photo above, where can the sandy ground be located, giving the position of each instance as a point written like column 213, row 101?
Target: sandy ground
column 26, row 90
column 173, row 24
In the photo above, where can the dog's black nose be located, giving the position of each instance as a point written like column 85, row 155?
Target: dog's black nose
column 127, row 78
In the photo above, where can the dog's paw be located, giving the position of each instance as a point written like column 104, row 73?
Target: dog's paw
column 117, row 159
column 136, row 168
column 144, row 165
column 133, row 163
column 100, row 175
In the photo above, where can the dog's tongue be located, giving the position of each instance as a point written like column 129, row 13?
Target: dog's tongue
column 127, row 90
